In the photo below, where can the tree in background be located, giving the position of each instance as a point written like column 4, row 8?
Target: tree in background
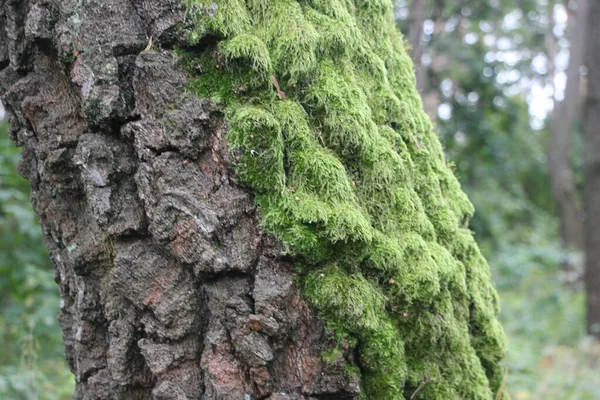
column 415, row 31
column 252, row 205
column 564, row 126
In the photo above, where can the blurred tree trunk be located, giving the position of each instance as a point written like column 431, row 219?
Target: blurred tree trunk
column 430, row 96
column 591, row 128
column 564, row 120
column 169, row 288
column 417, row 17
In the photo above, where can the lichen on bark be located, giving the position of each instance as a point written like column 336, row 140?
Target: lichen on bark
column 329, row 133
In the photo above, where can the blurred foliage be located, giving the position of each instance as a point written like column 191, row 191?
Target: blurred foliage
column 480, row 57
column 32, row 364
column 550, row 357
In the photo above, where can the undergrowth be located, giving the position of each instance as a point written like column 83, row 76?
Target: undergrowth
column 32, row 364
column 348, row 174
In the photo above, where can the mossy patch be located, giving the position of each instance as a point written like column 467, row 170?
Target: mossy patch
column 348, row 174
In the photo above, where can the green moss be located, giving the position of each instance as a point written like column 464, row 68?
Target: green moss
column 333, row 355
column 292, row 40
column 256, row 136
column 348, row 174
column 248, row 48
column 223, row 18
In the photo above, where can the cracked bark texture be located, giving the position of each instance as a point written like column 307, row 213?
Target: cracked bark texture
column 169, row 288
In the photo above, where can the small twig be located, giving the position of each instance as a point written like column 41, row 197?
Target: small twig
column 422, row 386
column 279, row 91
column 149, row 46
column 416, row 392
column 419, row 388
column 501, row 388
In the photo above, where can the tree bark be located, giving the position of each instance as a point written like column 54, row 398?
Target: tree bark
column 591, row 128
column 170, row 289
column 564, row 120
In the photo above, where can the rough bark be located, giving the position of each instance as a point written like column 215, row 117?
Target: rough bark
column 170, row 289
column 591, row 128
column 564, row 120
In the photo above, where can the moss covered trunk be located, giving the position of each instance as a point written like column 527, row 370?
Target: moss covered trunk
column 245, row 200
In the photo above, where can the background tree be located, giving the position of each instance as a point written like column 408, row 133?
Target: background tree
column 246, row 201
column 563, row 127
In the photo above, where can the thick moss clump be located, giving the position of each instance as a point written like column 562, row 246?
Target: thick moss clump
column 349, row 175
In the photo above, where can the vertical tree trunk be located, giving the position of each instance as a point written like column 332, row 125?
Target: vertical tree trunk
column 170, row 287
column 591, row 128
column 564, row 120
column 430, row 97
column 415, row 32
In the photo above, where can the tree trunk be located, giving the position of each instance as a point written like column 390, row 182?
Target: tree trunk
column 431, row 98
column 564, row 120
column 170, row 290
column 173, row 286
column 591, row 128
column 415, row 32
